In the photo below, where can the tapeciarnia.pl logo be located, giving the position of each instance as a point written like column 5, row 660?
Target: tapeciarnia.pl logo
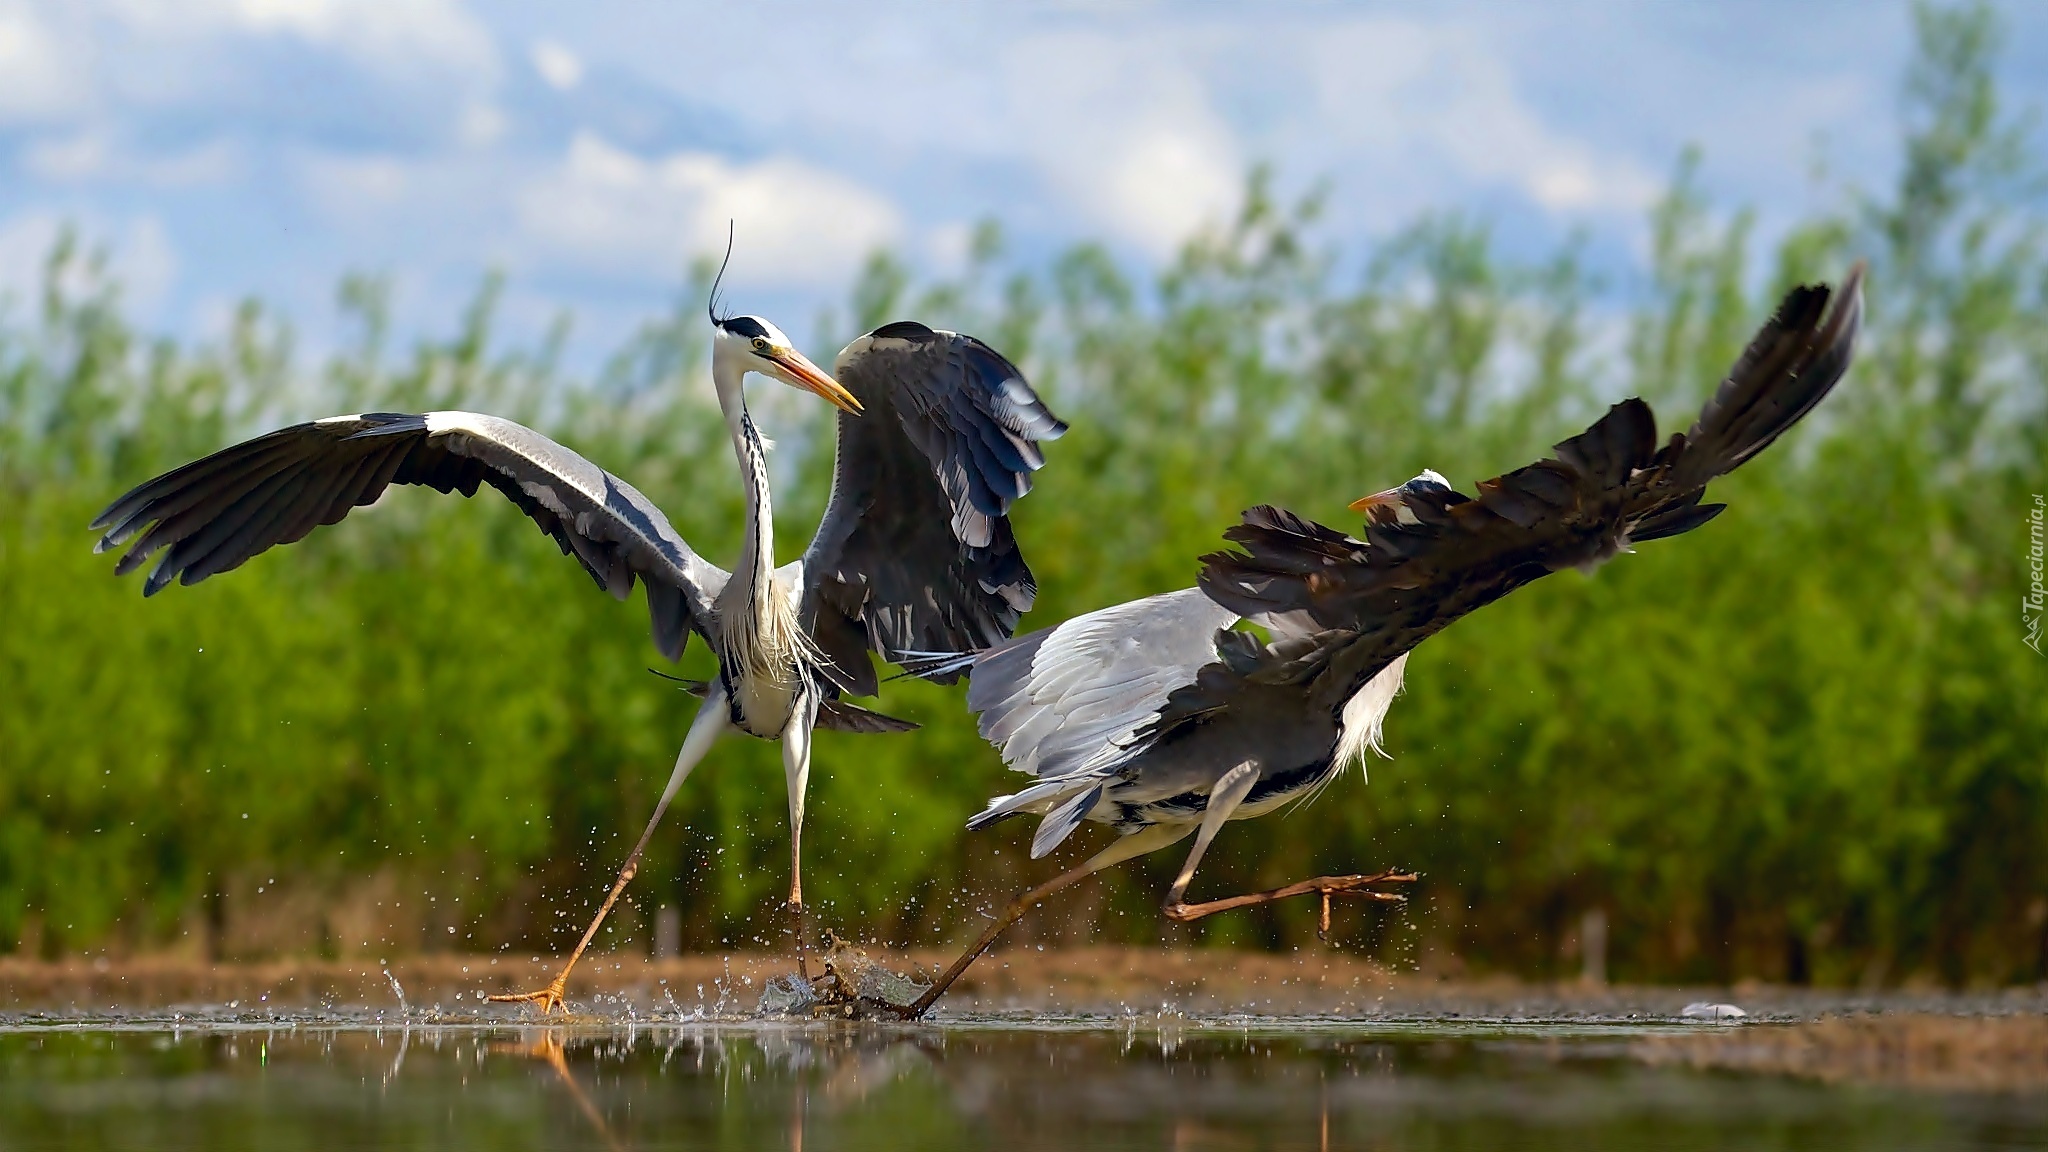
column 2036, row 602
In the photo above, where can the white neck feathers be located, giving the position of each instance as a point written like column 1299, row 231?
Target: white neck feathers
column 1365, row 716
column 757, row 615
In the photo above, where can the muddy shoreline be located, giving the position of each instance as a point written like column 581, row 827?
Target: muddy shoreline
column 1082, row 981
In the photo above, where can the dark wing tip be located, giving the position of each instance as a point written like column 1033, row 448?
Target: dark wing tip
column 1845, row 321
column 840, row 716
column 1269, row 517
column 1675, row 522
column 988, row 817
column 1790, row 365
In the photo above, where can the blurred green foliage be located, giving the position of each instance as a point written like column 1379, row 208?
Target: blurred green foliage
column 1805, row 742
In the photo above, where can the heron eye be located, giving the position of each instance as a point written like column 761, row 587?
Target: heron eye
column 760, row 344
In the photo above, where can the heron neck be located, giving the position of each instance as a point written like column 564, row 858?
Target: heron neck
column 757, row 547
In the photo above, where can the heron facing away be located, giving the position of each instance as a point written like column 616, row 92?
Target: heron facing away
column 1159, row 718
column 938, row 434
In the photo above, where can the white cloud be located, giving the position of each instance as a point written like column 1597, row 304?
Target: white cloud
column 561, row 68
column 39, row 77
column 1399, row 91
column 1113, row 120
column 94, row 154
column 348, row 186
column 1142, row 122
column 606, row 208
column 105, row 63
column 1167, row 181
column 390, row 34
column 293, row 139
column 481, row 124
column 83, row 156
column 949, row 247
column 1128, row 132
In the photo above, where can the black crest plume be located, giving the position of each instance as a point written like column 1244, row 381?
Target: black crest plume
column 711, row 303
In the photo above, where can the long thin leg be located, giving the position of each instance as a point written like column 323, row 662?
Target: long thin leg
column 1327, row 885
column 1223, row 800
column 711, row 722
column 1137, row 844
column 796, row 770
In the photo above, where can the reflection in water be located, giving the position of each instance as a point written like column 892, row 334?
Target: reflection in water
column 1255, row 1084
column 551, row 1050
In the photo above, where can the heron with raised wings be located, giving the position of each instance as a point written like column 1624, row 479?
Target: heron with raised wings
column 938, row 434
column 1161, row 719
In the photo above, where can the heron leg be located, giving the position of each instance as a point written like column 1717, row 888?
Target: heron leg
column 1224, row 798
column 1328, row 886
column 1229, row 792
column 711, row 722
column 1136, row 844
column 796, row 769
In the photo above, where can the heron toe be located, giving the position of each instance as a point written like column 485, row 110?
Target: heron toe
column 549, row 998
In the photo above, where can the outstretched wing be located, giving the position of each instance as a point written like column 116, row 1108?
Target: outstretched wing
column 1063, row 703
column 915, row 553
column 1430, row 554
column 1052, row 700
column 214, row 514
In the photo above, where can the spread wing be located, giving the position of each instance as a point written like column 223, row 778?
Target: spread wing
column 915, row 553
column 212, row 515
column 1343, row 608
column 1050, row 701
column 1062, row 703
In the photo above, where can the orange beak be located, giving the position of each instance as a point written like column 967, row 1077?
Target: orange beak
column 811, row 378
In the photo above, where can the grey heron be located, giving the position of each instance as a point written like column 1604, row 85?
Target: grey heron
column 1160, row 718
column 937, row 435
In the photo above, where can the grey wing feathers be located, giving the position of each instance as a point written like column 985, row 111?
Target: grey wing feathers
column 916, row 553
column 1062, row 820
column 1062, row 703
column 214, row 514
column 1050, row 701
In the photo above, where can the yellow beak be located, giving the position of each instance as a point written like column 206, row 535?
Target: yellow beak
column 811, row 378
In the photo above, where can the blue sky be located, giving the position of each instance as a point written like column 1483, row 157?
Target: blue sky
column 222, row 148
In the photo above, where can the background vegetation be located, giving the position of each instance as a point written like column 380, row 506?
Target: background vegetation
column 1804, row 743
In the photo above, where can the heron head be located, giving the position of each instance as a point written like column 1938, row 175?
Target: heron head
column 754, row 345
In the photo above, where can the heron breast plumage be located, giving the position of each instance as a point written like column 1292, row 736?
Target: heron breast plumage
column 766, row 657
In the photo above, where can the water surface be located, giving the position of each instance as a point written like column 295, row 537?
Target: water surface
column 1082, row 1083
